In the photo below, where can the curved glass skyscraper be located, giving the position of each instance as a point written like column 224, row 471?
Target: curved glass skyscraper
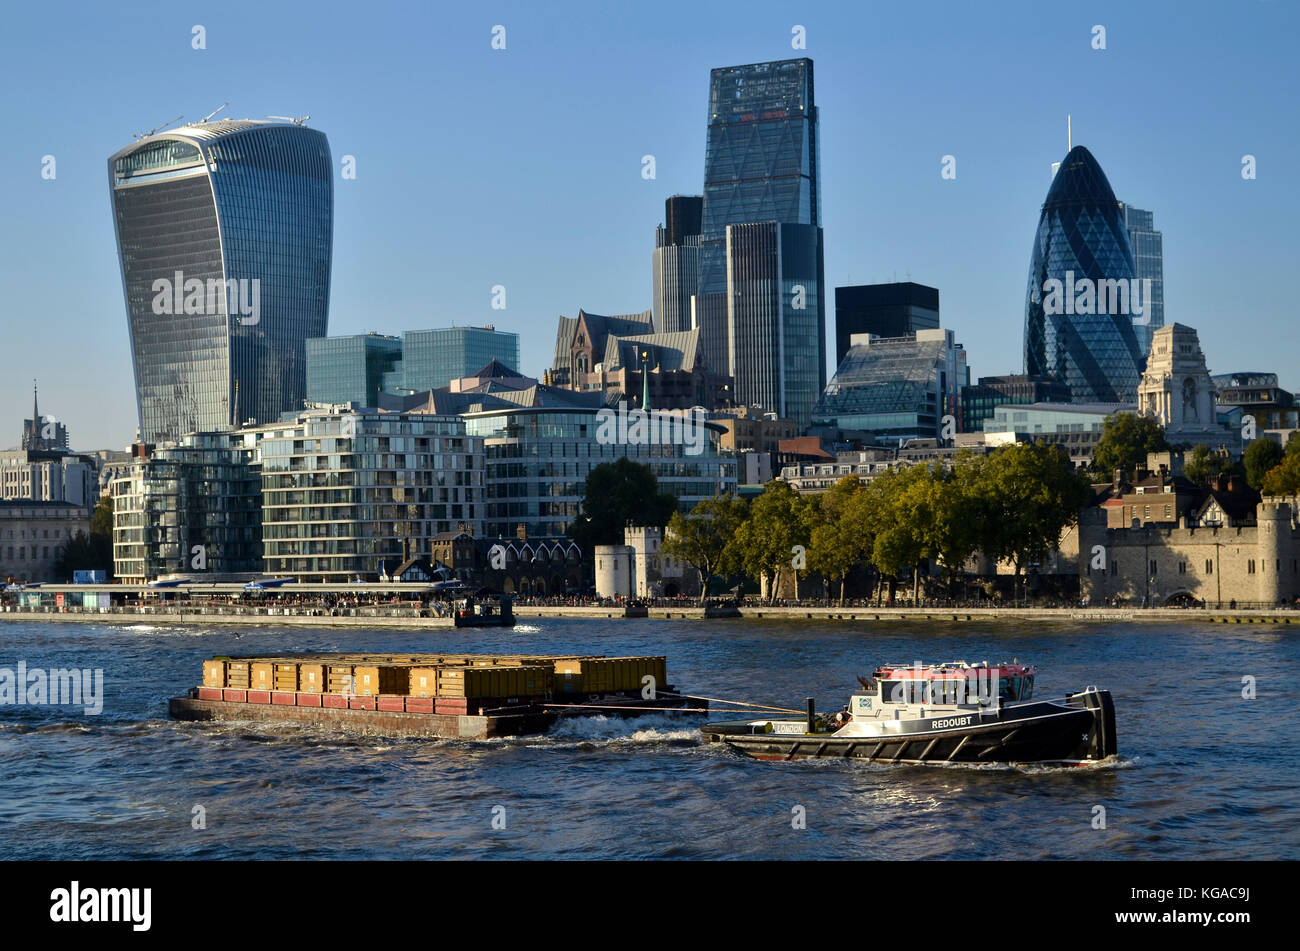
column 225, row 232
column 1083, row 299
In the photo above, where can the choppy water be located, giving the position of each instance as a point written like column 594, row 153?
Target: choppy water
column 1203, row 773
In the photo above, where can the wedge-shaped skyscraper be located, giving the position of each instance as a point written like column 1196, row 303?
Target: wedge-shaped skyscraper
column 1084, row 305
column 224, row 233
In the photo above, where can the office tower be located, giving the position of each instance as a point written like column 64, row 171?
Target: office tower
column 357, row 368
column 761, row 168
column 886, row 310
column 352, row 368
column 979, row 400
column 894, row 388
column 224, row 234
column 1083, row 296
column 682, row 216
column 1148, row 246
column 675, row 264
column 431, row 359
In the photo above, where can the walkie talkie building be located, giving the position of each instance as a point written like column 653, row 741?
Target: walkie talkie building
column 224, row 233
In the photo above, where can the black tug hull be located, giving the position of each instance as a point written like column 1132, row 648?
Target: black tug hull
column 1082, row 729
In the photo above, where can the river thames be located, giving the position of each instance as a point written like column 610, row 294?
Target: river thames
column 1203, row 772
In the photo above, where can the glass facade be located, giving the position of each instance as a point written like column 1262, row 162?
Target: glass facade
column 1148, row 246
column 347, row 495
column 762, row 165
column 1082, row 245
column 431, row 359
column 537, row 461
column 886, row 310
column 192, row 509
column 224, row 233
column 896, row 387
column 350, row 369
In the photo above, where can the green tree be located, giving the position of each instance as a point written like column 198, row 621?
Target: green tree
column 84, row 552
column 619, row 494
column 840, row 530
column 704, row 539
column 101, row 521
column 1204, row 465
column 1126, row 438
column 1030, row 495
column 1261, row 456
column 765, row 542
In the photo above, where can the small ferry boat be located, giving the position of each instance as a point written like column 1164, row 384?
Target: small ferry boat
column 484, row 612
column 940, row 713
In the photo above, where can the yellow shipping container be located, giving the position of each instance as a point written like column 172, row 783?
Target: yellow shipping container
column 263, row 677
column 339, row 679
column 214, row 673
column 365, row 680
column 423, row 682
column 237, row 674
column 311, row 678
column 286, row 677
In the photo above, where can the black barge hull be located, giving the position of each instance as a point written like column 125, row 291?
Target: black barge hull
column 1080, row 730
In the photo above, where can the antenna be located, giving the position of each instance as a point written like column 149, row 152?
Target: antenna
column 214, row 112
column 298, row 121
column 145, row 135
column 1069, row 135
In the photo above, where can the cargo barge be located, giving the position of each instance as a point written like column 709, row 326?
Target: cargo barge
column 461, row 696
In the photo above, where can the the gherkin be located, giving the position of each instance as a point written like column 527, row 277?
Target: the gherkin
column 1083, row 244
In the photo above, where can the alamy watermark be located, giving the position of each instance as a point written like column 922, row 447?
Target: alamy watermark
column 242, row 297
column 1127, row 296
column 641, row 427
column 54, row 688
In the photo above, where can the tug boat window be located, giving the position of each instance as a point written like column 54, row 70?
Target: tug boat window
column 902, row 691
column 946, row 691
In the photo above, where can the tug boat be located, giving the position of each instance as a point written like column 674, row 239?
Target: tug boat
column 940, row 713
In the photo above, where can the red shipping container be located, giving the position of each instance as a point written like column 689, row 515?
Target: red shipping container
column 419, row 704
column 235, row 696
column 259, row 696
column 334, row 701
column 392, row 704
column 282, row 699
column 209, row 693
column 361, row 703
column 457, row 705
column 309, row 699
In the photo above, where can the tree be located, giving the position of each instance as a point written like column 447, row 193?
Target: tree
column 840, row 530
column 619, row 494
column 1126, row 438
column 1284, row 478
column 1030, row 494
column 1204, row 465
column 703, row 539
column 1261, row 456
column 765, row 541
column 84, row 552
column 101, row 522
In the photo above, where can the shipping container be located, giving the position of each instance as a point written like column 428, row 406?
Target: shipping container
column 214, row 673
column 365, row 680
column 263, row 675
column 423, row 682
column 286, row 676
column 311, row 678
column 237, row 672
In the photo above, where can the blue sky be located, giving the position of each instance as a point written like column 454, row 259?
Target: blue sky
column 522, row 167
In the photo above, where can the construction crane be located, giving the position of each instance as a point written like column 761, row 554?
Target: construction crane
column 214, row 112
column 298, row 121
column 145, row 135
